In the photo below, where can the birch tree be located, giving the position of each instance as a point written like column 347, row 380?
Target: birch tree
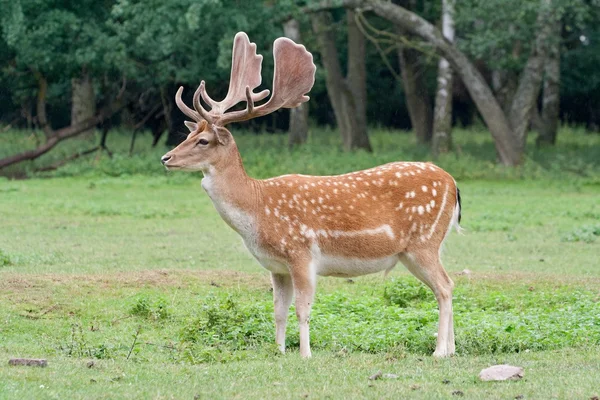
column 442, row 120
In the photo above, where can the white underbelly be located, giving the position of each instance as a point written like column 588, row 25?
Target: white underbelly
column 326, row 265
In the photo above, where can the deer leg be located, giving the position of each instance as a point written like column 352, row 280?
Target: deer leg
column 304, row 291
column 282, row 298
column 427, row 267
column 451, row 343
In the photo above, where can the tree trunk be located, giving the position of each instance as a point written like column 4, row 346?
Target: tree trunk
column 505, row 85
column 174, row 136
column 418, row 102
column 536, row 119
column 340, row 95
column 298, row 116
column 357, row 81
column 531, row 78
column 83, row 105
column 442, row 123
column 551, row 96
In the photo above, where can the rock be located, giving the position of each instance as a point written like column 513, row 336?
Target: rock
column 375, row 376
column 390, row 376
column 90, row 364
column 28, row 362
column 501, row 373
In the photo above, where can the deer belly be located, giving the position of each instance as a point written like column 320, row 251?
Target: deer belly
column 348, row 267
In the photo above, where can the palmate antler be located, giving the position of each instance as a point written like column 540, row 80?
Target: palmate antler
column 294, row 76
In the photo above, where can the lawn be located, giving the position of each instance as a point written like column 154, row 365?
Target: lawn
column 128, row 282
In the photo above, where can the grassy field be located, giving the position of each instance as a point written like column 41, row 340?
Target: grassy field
column 128, row 282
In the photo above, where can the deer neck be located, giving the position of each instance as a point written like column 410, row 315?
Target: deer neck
column 234, row 194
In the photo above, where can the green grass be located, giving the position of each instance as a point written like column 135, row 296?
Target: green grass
column 576, row 157
column 138, row 274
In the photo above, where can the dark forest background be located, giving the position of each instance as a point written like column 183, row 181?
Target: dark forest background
column 67, row 67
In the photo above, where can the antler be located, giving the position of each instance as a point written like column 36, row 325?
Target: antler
column 294, row 77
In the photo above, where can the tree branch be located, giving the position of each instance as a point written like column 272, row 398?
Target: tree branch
column 62, row 134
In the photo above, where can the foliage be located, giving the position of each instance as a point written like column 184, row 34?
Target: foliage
column 151, row 309
column 402, row 293
column 5, row 259
column 159, row 45
column 587, row 234
column 59, row 42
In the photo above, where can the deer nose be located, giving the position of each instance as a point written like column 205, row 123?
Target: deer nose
column 165, row 158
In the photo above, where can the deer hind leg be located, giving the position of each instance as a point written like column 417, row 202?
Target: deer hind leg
column 427, row 267
column 283, row 291
column 303, row 279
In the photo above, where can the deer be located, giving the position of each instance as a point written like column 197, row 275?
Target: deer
column 299, row 227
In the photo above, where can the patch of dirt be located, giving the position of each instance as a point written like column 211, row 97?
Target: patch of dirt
column 527, row 278
column 20, row 283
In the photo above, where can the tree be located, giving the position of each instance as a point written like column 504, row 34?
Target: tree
column 51, row 44
column 347, row 94
column 442, row 122
column 508, row 131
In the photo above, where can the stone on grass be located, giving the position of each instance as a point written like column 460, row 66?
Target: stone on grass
column 375, row 376
column 501, row 373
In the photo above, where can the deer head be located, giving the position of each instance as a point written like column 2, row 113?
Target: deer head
column 209, row 142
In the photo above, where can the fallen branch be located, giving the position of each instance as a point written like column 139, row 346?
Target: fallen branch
column 53, row 137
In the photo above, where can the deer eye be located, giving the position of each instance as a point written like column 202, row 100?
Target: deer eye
column 202, row 142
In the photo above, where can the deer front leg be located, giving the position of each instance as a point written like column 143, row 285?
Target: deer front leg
column 304, row 290
column 282, row 298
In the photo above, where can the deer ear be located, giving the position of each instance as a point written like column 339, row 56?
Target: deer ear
column 223, row 135
column 192, row 126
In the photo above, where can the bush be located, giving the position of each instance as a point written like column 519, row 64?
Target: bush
column 151, row 309
column 586, row 233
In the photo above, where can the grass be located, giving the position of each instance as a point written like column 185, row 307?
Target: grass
column 132, row 287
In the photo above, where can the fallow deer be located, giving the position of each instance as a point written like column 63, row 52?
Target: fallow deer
column 299, row 226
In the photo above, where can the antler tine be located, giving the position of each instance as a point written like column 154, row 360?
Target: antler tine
column 198, row 106
column 184, row 108
column 294, row 76
column 207, row 99
column 245, row 72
